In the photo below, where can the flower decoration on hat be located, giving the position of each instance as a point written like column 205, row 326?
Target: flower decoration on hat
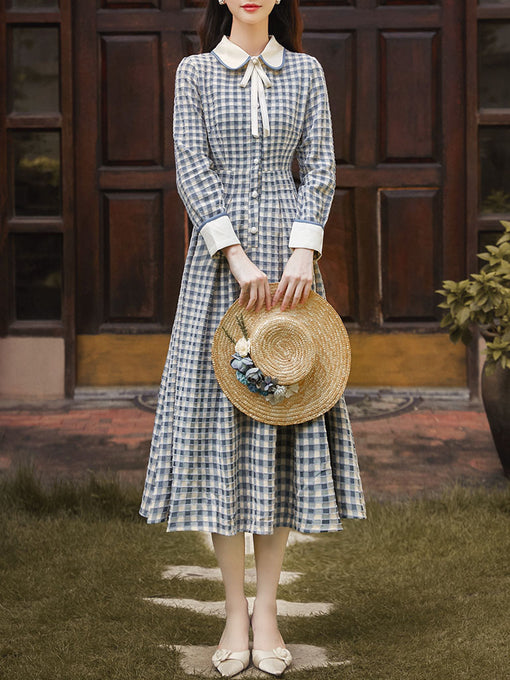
column 248, row 374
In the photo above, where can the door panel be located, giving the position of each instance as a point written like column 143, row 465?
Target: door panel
column 410, row 239
column 131, row 93
column 133, row 244
column 409, row 97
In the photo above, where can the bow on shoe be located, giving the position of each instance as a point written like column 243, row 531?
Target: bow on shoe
column 259, row 79
column 283, row 654
column 221, row 655
column 273, row 662
column 230, row 663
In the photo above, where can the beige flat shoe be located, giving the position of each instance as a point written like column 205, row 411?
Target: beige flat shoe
column 274, row 662
column 230, row 663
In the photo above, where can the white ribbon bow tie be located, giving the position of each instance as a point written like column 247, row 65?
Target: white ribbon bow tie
column 255, row 72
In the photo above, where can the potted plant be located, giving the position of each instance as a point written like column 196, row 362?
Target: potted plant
column 483, row 301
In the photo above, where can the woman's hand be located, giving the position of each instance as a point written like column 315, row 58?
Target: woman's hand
column 296, row 281
column 255, row 291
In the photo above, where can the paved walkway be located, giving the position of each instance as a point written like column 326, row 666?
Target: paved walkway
column 406, row 446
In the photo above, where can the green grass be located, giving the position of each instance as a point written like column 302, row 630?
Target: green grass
column 421, row 588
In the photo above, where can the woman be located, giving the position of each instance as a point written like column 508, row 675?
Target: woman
column 243, row 107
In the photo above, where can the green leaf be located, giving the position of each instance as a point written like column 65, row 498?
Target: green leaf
column 455, row 335
column 463, row 316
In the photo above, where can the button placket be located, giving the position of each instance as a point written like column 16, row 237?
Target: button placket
column 253, row 226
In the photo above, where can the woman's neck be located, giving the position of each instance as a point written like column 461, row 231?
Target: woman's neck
column 252, row 38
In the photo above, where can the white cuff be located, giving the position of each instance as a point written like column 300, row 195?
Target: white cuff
column 218, row 233
column 306, row 235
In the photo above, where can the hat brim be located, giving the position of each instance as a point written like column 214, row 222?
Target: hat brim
column 318, row 391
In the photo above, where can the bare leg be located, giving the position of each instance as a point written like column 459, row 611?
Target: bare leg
column 269, row 551
column 230, row 555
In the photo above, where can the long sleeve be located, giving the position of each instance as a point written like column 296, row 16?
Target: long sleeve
column 317, row 168
column 199, row 187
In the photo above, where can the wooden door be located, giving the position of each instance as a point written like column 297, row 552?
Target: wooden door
column 130, row 223
column 36, row 199
column 395, row 75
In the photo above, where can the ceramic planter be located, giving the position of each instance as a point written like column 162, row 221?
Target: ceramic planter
column 496, row 400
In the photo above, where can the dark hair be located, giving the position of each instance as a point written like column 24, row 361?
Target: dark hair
column 285, row 23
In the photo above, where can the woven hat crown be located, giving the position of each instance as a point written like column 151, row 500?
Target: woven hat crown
column 283, row 348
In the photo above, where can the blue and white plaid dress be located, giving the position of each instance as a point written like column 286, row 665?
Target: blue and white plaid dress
column 238, row 121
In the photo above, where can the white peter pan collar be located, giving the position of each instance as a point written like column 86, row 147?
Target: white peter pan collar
column 234, row 57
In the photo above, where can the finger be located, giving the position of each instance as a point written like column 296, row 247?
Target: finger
column 261, row 295
column 243, row 297
column 267, row 291
column 289, row 294
column 253, row 296
column 282, row 286
column 297, row 294
column 306, row 292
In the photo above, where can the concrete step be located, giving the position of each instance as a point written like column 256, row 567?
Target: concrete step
column 193, row 573
column 284, row 608
column 196, row 659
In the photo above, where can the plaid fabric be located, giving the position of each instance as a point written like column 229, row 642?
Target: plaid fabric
column 211, row 467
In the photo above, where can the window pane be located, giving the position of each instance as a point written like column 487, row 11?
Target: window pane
column 36, row 173
column 34, row 70
column 495, row 169
column 33, row 4
column 38, row 276
column 494, row 64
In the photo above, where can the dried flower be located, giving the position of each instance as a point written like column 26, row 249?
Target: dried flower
column 277, row 396
column 243, row 346
column 292, row 389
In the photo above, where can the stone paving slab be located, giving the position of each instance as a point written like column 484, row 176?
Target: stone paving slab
column 283, row 607
column 194, row 573
column 196, row 660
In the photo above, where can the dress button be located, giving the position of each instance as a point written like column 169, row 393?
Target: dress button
column 255, row 161
column 254, row 193
column 253, row 230
column 255, row 60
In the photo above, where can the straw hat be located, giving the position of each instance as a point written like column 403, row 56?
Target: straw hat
column 302, row 355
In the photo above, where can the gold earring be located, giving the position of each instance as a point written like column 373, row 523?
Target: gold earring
column 221, row 2
column 277, row 2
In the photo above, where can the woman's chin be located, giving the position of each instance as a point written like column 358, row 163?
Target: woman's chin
column 250, row 18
